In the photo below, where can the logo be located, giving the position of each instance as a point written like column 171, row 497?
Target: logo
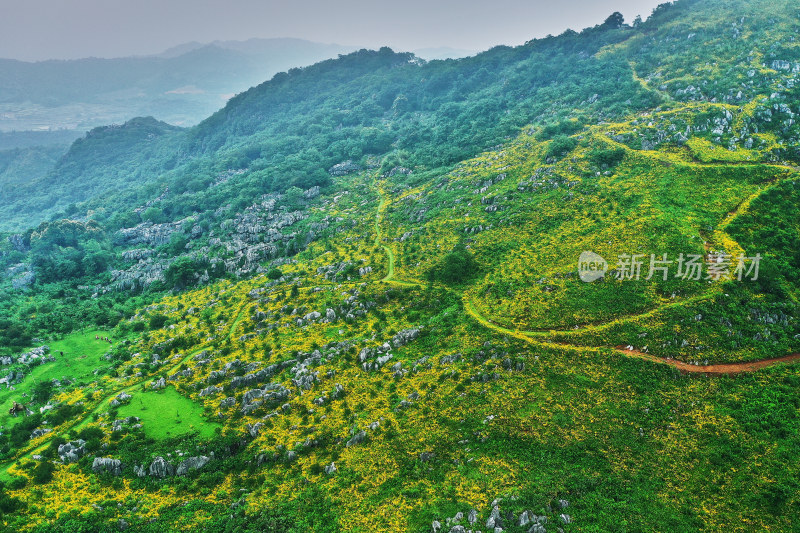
column 591, row 267
column 717, row 266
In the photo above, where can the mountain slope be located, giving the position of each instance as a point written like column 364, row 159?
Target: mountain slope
column 326, row 315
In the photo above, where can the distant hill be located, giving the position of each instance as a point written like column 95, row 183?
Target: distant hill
column 46, row 180
column 10, row 140
column 181, row 86
column 19, row 166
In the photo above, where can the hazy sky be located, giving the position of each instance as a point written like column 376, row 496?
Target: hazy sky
column 62, row 29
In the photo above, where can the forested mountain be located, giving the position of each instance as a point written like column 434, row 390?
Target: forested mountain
column 551, row 287
column 370, row 103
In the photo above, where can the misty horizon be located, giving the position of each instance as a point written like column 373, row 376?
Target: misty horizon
column 46, row 29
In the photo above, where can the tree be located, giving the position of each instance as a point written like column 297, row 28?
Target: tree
column 560, row 146
column 177, row 244
column 608, row 157
column 456, row 267
column 181, row 272
column 42, row 391
column 154, row 215
column 158, row 321
column 615, row 20
column 294, row 198
column 43, row 472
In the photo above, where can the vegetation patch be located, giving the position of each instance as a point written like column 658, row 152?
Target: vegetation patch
column 166, row 414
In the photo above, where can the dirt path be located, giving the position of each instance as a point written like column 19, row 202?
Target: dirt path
column 718, row 369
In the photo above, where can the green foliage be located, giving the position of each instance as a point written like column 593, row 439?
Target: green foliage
column 8, row 504
column 182, row 271
column 13, row 335
column 294, row 198
column 154, row 215
column 560, row 146
column 395, row 159
column 43, row 472
column 564, row 127
column 90, row 433
column 42, row 391
column 158, row 321
column 67, row 249
column 456, row 267
column 607, row 157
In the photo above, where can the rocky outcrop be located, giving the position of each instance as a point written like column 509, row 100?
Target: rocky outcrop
column 256, row 378
column 24, row 279
column 343, row 168
column 358, row 438
column 404, row 337
column 107, row 465
column 71, row 451
column 192, row 463
column 254, row 429
column 18, row 242
column 121, row 398
column 36, row 433
column 35, row 356
column 160, row 468
column 149, row 234
column 208, row 391
column 131, row 422
column 137, row 254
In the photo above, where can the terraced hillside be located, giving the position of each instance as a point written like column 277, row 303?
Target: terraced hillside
column 408, row 345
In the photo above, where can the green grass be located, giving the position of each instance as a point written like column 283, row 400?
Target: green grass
column 165, row 414
column 82, row 355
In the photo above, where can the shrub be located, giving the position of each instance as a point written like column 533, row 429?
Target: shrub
column 43, row 472
column 158, row 321
column 560, row 146
column 609, row 157
column 456, row 267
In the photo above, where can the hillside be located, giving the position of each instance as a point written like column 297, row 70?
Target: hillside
column 355, row 298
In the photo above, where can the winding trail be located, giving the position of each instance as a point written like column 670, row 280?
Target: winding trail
column 536, row 337
column 389, row 277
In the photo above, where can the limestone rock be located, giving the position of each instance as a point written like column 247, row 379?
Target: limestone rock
column 160, row 468
column 192, row 463
column 106, row 464
column 71, row 451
